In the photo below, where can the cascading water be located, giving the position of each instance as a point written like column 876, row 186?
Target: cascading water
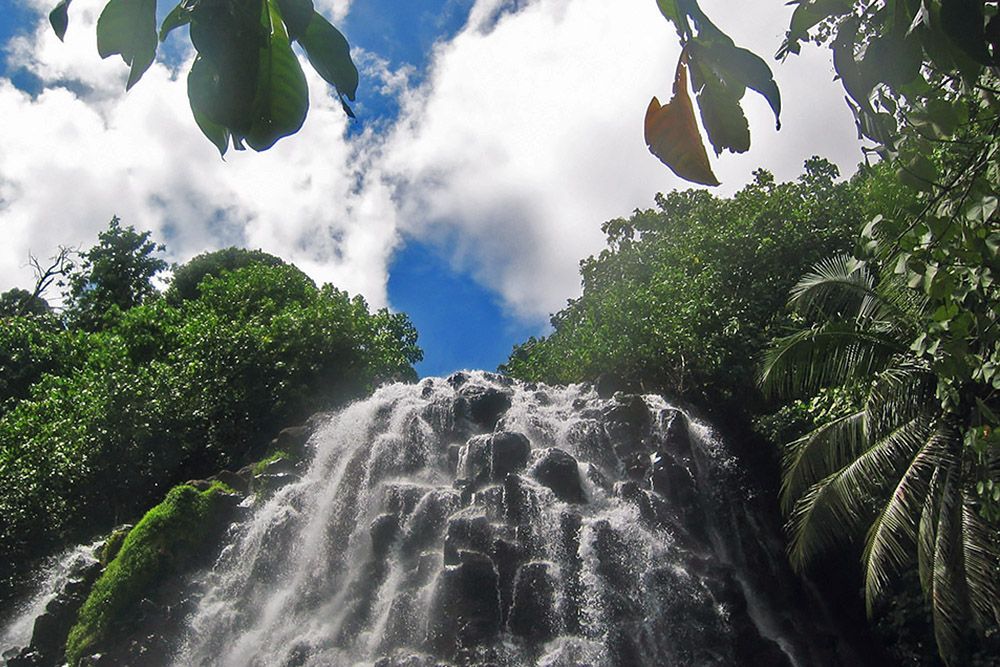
column 474, row 520
column 479, row 521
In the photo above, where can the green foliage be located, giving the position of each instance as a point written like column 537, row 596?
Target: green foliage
column 246, row 85
column 17, row 301
column 684, row 297
column 31, row 347
column 116, row 274
column 186, row 278
column 96, row 424
column 895, row 468
column 260, row 466
column 168, row 538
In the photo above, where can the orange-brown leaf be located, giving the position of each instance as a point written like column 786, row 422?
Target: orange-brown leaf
column 672, row 133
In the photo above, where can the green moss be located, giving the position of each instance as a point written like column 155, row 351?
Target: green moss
column 113, row 545
column 261, row 465
column 167, row 538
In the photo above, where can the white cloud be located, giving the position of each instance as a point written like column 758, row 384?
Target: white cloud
column 83, row 150
column 527, row 135
column 524, row 137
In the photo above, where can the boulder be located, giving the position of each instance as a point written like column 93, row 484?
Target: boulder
column 558, row 471
column 532, row 614
column 509, row 453
column 465, row 605
column 486, row 405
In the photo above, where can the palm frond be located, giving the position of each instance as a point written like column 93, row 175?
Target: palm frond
column 949, row 599
column 836, row 353
column 839, row 505
column 981, row 556
column 818, row 454
column 925, row 532
column 897, row 393
column 837, row 287
column 890, row 541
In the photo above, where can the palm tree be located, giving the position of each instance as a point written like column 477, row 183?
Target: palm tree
column 896, row 468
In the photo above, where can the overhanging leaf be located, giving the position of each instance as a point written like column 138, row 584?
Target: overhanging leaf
column 282, row 96
column 671, row 133
column 59, row 18
column 963, row 21
column 177, row 17
column 128, row 28
column 297, row 15
column 672, row 11
column 330, row 55
column 736, row 65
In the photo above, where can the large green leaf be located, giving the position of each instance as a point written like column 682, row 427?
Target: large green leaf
column 964, row 22
column 297, row 15
column 202, row 93
column 178, row 16
column 59, row 18
column 330, row 55
column 128, row 28
column 282, row 96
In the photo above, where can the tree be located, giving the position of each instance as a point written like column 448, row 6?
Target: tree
column 17, row 301
column 246, row 86
column 117, row 273
column 683, row 298
column 186, row 278
column 898, row 466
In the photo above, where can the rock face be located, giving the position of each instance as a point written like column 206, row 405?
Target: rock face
column 478, row 521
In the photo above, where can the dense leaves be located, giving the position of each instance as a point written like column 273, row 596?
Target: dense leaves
column 684, row 296
column 246, row 86
column 97, row 423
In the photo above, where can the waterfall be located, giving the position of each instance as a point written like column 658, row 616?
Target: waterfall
column 476, row 520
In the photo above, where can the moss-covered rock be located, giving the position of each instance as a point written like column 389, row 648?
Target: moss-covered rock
column 169, row 538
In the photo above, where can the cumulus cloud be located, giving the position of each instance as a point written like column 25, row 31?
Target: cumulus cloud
column 527, row 134
column 522, row 138
column 82, row 150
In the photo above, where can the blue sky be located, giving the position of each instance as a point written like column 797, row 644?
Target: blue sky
column 494, row 137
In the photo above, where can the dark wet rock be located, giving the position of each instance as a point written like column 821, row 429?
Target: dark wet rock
column 486, row 405
column 509, row 453
column 465, row 606
column 27, row 657
column 519, row 501
column 384, row 532
column 596, row 477
column 627, row 420
column 532, row 614
column 298, row 656
column 572, row 598
column 674, row 482
column 466, row 534
column 401, row 498
column 608, row 384
column 558, row 471
column 507, row 555
column 457, row 379
column 267, row 483
column 238, row 481
column 293, row 440
column 428, row 521
column 676, row 438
